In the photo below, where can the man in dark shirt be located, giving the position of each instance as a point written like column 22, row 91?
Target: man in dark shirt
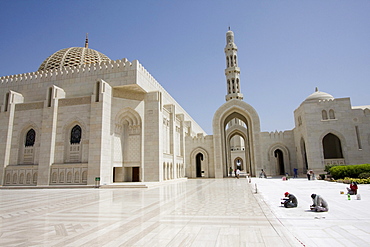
column 290, row 201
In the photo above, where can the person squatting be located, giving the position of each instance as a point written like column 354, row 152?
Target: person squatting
column 319, row 204
column 290, row 201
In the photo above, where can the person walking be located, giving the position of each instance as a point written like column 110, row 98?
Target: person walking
column 295, row 171
column 237, row 173
column 308, row 175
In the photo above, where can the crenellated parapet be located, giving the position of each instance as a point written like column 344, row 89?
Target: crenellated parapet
column 201, row 138
column 279, row 135
column 85, row 70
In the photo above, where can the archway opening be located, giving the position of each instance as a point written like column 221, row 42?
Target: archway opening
column 304, row 154
column 332, row 147
column 237, row 143
column 238, row 163
column 199, row 159
column 280, row 161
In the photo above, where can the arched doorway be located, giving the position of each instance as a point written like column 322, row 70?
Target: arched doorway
column 238, row 163
column 237, row 151
column 332, row 147
column 199, row 159
column 236, row 119
column 280, row 161
column 304, row 154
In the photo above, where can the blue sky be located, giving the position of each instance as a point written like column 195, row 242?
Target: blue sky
column 285, row 48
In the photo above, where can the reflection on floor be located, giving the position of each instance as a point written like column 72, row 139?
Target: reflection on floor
column 196, row 212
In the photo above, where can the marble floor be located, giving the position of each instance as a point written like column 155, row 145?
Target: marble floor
column 346, row 224
column 194, row 212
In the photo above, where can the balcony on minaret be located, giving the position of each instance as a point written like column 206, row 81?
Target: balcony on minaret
column 230, row 96
column 230, row 70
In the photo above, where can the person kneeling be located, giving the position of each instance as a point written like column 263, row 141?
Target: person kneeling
column 290, row 201
column 319, row 204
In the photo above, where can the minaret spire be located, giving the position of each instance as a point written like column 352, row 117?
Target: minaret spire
column 232, row 70
column 87, row 41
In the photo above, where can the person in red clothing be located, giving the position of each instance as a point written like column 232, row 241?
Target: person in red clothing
column 352, row 190
column 290, row 201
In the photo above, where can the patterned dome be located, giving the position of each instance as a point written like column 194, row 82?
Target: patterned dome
column 74, row 56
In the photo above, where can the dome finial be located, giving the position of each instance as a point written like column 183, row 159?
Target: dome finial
column 316, row 89
column 87, row 41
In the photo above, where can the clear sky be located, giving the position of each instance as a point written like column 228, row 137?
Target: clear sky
column 285, row 48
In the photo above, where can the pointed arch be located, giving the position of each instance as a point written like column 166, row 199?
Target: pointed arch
column 246, row 113
column 199, row 163
column 340, row 149
column 304, row 154
column 279, row 159
column 28, row 144
column 75, row 135
column 127, row 139
column 332, row 147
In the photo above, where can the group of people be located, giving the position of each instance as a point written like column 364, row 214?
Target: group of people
column 319, row 204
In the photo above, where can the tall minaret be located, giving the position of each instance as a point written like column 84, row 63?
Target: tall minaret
column 232, row 70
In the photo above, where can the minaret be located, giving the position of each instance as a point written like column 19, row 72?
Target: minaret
column 232, row 70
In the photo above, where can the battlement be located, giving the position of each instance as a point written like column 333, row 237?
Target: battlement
column 280, row 134
column 201, row 138
column 85, row 70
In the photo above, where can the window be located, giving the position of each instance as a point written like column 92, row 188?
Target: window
column 30, row 138
column 324, row 115
column 331, row 114
column 76, row 135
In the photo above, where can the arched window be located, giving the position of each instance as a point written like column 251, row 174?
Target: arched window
column 76, row 134
column 324, row 115
column 331, row 114
column 30, row 138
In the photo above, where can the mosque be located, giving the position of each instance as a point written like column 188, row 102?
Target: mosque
column 83, row 119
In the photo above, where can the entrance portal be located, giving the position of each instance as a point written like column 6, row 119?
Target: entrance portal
column 199, row 159
column 280, row 161
column 135, row 174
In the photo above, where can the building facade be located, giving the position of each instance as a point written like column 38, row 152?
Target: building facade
column 83, row 118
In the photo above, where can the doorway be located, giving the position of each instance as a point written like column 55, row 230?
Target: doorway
column 199, row 159
column 280, row 161
column 135, row 174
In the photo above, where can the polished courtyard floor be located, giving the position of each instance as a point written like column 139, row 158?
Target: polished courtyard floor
column 194, row 212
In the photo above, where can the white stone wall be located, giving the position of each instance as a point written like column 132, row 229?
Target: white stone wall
column 199, row 144
column 272, row 141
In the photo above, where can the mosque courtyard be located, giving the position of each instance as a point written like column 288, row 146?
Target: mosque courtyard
column 187, row 212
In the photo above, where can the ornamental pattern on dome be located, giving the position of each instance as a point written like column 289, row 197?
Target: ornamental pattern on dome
column 74, row 56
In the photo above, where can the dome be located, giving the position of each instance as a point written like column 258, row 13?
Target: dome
column 317, row 95
column 74, row 56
